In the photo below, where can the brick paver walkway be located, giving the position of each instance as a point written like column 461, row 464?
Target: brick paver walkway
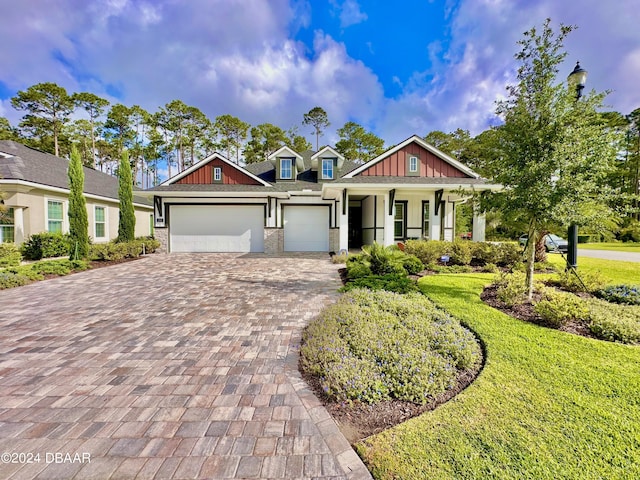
column 173, row 366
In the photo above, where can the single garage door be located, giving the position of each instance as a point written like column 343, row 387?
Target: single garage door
column 306, row 229
column 216, row 228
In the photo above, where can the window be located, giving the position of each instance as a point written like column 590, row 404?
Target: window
column 54, row 216
column 327, row 168
column 399, row 220
column 100, row 222
column 413, row 164
column 7, row 230
column 426, row 216
column 217, row 174
column 285, row 168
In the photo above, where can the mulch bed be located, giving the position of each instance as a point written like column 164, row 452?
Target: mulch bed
column 526, row 313
column 359, row 420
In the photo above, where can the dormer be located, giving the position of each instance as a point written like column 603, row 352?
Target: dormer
column 327, row 162
column 288, row 164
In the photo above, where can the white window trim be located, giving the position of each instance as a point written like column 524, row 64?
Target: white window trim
column 330, row 162
column 217, row 174
column 65, row 222
column 8, row 225
column 413, row 164
column 106, row 222
column 290, row 160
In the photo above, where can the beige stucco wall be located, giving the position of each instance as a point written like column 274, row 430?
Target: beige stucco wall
column 33, row 203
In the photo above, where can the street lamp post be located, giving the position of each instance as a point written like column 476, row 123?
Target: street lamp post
column 577, row 77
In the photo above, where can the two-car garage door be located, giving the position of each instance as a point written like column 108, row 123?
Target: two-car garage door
column 240, row 228
column 216, row 228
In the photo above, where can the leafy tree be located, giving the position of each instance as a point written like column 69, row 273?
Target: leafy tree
column 7, row 132
column 232, row 132
column 117, row 127
column 79, row 133
column 127, row 219
column 94, row 106
column 297, row 142
column 265, row 139
column 555, row 151
column 317, row 118
column 357, row 144
column 453, row 144
column 49, row 107
column 78, row 221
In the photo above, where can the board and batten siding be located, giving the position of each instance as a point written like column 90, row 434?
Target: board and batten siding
column 395, row 165
column 230, row 175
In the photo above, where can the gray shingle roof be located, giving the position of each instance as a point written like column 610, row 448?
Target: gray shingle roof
column 30, row 165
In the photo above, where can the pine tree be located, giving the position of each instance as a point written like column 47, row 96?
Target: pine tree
column 78, row 221
column 127, row 222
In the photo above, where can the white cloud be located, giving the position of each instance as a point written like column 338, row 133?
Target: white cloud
column 350, row 14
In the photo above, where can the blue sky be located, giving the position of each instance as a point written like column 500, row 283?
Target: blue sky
column 398, row 68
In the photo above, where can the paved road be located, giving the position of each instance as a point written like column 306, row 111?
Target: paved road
column 609, row 255
column 173, row 366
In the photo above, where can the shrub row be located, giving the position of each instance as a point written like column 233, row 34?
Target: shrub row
column 462, row 252
column 376, row 346
column 117, row 251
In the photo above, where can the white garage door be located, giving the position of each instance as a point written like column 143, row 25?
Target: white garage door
column 216, row 228
column 306, row 229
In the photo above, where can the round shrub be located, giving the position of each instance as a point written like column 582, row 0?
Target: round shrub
column 428, row 251
column 375, row 346
column 511, row 288
column 412, row 264
column 9, row 255
column 10, row 280
column 616, row 323
column 460, row 252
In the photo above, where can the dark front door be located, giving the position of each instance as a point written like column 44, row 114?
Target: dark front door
column 355, row 227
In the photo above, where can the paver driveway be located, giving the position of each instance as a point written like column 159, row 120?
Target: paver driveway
column 173, row 366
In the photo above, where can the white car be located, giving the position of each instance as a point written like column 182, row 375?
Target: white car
column 552, row 243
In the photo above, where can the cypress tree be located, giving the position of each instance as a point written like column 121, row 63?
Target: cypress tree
column 127, row 222
column 78, row 221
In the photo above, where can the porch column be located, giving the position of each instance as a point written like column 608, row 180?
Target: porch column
column 343, row 221
column 388, row 220
column 479, row 225
column 18, row 225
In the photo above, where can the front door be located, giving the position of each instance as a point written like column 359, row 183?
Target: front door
column 355, row 227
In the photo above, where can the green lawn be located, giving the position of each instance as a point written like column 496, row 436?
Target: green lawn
column 547, row 405
column 612, row 270
column 618, row 247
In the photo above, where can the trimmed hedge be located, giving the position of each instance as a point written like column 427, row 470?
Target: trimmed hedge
column 461, row 252
column 114, row 251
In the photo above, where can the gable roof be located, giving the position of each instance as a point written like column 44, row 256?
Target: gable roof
column 414, row 139
column 19, row 163
column 204, row 161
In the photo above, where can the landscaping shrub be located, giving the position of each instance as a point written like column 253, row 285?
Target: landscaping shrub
column 616, row 323
column 460, row 252
column 627, row 294
column 557, row 308
column 392, row 282
column 438, row 268
column 45, row 245
column 113, row 251
column 375, row 346
column 357, row 268
column 383, row 260
column 412, row 264
column 9, row 255
column 428, row 251
column 339, row 258
column 511, row 288
column 630, row 233
column 10, row 279
column 58, row 267
column 490, row 268
column 508, row 254
column 590, row 282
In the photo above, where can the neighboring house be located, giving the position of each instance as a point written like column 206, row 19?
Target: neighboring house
column 36, row 191
column 314, row 201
